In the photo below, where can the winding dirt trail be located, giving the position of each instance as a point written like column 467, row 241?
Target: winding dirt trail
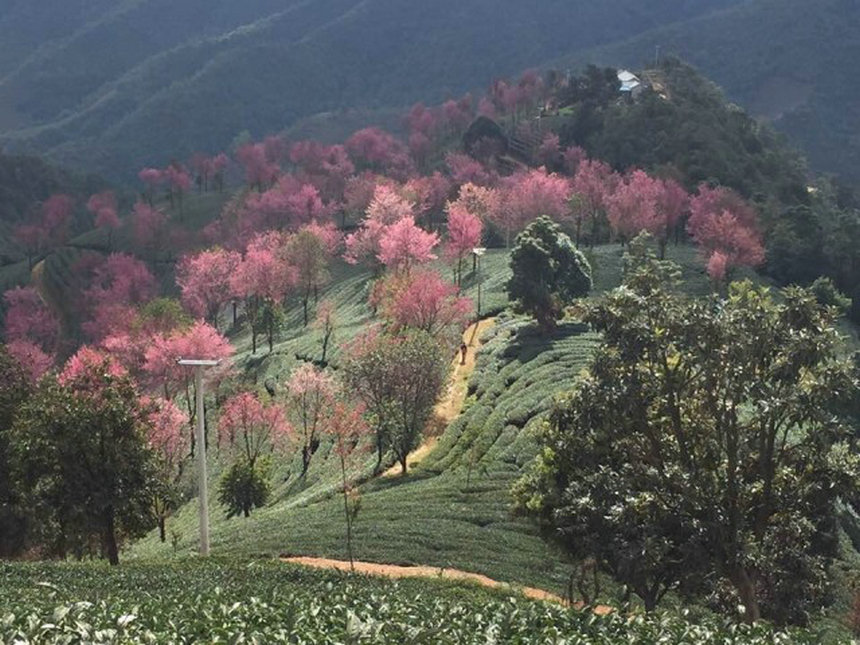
column 448, row 409
column 394, row 571
column 451, row 405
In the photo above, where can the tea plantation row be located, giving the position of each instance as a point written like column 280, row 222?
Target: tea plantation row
column 264, row 602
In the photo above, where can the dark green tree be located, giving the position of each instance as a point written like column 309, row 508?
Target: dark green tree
column 707, row 446
column 82, row 465
column 244, row 487
column 14, row 391
column 549, row 272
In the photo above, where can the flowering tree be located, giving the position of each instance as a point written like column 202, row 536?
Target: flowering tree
column 32, row 359
column 464, row 235
column 260, row 169
column 429, row 195
column 205, row 282
column 310, row 251
column 166, row 424
column 423, row 300
column 250, row 430
column 103, row 206
column 377, row 150
column 404, row 244
column 50, row 229
column 633, row 206
column 148, row 228
column 467, row 170
column 28, row 319
column 347, row 428
column 398, row 376
column 151, row 178
column 721, row 222
column 593, row 182
column 310, row 393
column 163, row 372
column 528, row 195
column 178, row 182
column 325, row 322
column 386, row 208
column 263, row 278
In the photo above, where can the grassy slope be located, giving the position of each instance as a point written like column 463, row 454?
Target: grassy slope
column 431, row 516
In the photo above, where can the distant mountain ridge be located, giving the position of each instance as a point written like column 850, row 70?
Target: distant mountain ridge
column 117, row 84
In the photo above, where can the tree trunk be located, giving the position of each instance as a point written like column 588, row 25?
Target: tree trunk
column 110, row 537
column 348, row 516
column 306, row 459
column 305, row 309
column 162, row 534
column 235, row 313
column 745, row 586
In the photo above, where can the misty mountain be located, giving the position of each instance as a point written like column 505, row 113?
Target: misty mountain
column 113, row 85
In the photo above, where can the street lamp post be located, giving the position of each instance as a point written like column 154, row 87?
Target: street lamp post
column 477, row 254
column 200, row 440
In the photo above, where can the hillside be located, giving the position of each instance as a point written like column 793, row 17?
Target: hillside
column 84, row 86
column 91, row 96
column 782, row 60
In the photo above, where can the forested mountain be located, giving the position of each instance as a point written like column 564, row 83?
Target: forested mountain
column 786, row 60
column 120, row 84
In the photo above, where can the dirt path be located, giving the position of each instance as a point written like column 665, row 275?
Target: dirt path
column 394, row 571
column 451, row 405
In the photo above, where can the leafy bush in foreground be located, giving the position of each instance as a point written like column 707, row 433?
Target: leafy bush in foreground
column 266, row 602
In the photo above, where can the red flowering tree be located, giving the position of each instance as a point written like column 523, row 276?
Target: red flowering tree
column 721, row 222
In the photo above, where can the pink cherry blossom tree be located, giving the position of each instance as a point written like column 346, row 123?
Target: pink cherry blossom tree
column 151, row 178
column 405, row 244
column 260, row 170
column 593, row 182
column 347, row 429
column 166, row 424
column 722, row 222
column 423, row 300
column 633, row 206
column 310, row 397
column 250, row 428
column 204, row 279
column 464, row 235
column 103, row 206
column 29, row 319
column 31, row 357
column 262, row 279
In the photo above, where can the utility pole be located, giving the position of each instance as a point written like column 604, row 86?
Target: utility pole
column 200, row 439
